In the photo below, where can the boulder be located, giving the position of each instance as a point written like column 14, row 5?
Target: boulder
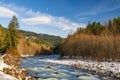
column 49, row 67
column 56, row 72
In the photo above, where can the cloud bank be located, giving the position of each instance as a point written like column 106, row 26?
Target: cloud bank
column 59, row 22
column 37, row 20
column 6, row 13
column 33, row 18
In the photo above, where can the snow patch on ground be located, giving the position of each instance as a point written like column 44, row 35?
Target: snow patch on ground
column 4, row 76
column 26, row 55
column 3, row 65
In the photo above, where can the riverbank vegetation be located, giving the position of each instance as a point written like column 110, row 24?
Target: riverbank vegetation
column 96, row 41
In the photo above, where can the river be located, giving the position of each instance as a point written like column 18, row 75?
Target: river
column 39, row 68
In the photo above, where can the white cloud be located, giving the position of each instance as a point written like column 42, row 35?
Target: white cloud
column 60, row 22
column 87, row 13
column 97, row 11
column 102, row 7
column 31, row 13
column 6, row 13
column 30, row 17
column 118, row 1
column 112, row 9
column 82, row 18
column 37, row 20
column 65, row 24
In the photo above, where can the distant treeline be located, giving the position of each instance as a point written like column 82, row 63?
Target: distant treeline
column 96, row 41
column 95, row 28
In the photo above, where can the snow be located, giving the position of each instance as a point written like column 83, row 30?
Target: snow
column 4, row 76
column 3, row 65
column 87, row 78
column 26, row 55
column 94, row 65
column 87, row 64
column 49, row 79
column 38, row 68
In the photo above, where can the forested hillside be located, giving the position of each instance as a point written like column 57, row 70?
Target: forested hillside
column 96, row 41
column 49, row 40
column 18, row 42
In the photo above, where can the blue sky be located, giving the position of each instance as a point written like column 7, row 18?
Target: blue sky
column 57, row 17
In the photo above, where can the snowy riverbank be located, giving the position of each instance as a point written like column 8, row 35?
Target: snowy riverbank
column 110, row 69
column 4, row 76
column 42, row 70
column 9, row 69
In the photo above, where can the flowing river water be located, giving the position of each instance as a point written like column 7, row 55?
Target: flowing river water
column 39, row 68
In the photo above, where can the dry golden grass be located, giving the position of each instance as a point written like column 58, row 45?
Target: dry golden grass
column 26, row 47
column 91, row 46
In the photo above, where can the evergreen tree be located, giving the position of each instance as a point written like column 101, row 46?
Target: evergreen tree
column 96, row 28
column 118, row 25
column 2, row 39
column 110, row 26
column 89, row 28
column 115, row 26
column 12, row 35
column 80, row 30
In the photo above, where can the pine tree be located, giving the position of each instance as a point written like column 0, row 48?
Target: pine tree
column 2, row 39
column 110, row 27
column 115, row 26
column 118, row 25
column 12, row 35
column 89, row 28
column 96, row 28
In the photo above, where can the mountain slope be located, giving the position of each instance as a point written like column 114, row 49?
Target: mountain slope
column 49, row 40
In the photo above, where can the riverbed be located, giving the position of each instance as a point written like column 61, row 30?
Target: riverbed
column 39, row 68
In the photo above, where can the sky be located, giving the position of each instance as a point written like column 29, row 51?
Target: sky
column 57, row 17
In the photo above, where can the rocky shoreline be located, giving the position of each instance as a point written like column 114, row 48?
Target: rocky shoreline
column 104, row 69
column 100, row 72
column 14, row 70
